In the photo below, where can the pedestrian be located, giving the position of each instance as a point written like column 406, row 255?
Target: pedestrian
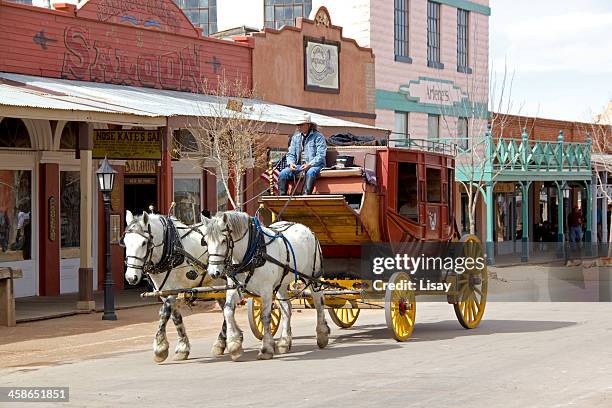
column 4, row 230
column 575, row 221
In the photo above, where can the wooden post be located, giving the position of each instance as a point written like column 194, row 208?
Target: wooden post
column 7, row 298
column 166, row 196
column 85, row 299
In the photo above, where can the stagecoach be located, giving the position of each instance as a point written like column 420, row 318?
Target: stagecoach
column 393, row 196
column 399, row 197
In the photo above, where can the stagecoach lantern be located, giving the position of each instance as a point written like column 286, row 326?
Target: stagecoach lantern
column 106, row 176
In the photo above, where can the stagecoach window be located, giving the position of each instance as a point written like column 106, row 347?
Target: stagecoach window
column 70, row 211
column 434, row 186
column 407, row 198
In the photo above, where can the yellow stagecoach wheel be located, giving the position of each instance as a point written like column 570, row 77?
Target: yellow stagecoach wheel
column 254, row 313
column 344, row 317
column 471, row 286
column 400, row 306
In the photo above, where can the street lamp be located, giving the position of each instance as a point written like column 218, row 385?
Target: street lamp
column 106, row 178
column 566, row 190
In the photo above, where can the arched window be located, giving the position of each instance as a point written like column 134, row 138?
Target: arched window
column 184, row 143
column 70, row 134
column 13, row 133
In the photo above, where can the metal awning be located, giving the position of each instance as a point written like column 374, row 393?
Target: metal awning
column 51, row 98
column 601, row 160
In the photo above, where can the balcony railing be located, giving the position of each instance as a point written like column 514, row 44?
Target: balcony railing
column 538, row 155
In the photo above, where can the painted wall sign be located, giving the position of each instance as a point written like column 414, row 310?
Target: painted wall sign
column 504, row 187
column 321, row 65
column 127, row 144
column 137, row 42
column 434, row 92
column 52, row 206
column 141, row 167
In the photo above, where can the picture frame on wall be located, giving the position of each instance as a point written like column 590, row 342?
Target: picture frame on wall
column 321, row 65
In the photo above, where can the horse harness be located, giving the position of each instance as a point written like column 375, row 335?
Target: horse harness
column 173, row 253
column 256, row 255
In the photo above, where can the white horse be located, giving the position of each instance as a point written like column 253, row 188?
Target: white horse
column 232, row 235
column 144, row 240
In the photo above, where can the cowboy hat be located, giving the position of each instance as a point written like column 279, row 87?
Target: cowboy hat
column 305, row 118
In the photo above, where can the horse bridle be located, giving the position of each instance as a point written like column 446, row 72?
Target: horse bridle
column 226, row 259
column 145, row 262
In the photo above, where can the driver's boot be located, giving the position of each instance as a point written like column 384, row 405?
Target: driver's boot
column 282, row 186
column 309, row 184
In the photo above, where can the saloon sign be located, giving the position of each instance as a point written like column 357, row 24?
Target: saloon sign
column 434, row 92
column 127, row 144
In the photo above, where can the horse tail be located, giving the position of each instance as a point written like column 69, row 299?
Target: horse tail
column 317, row 272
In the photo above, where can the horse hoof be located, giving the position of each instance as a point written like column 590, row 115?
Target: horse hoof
column 218, row 349
column 234, row 349
column 282, row 346
column 264, row 355
column 161, row 356
column 181, row 356
column 323, row 337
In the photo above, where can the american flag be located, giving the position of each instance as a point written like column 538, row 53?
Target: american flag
column 275, row 173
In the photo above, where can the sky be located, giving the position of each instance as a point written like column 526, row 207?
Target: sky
column 559, row 52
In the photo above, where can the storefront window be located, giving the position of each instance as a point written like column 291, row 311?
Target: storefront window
column 188, row 200
column 70, row 207
column 15, row 215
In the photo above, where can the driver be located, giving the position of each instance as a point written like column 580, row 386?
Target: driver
column 306, row 154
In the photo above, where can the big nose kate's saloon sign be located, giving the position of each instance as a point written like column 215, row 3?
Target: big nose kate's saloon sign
column 127, row 144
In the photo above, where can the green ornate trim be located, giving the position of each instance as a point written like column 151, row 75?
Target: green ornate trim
column 467, row 5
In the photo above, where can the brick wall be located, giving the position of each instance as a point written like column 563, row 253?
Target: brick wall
column 511, row 126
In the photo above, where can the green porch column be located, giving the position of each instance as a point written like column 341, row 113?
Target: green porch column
column 560, row 221
column 589, row 211
column 490, row 217
column 525, row 220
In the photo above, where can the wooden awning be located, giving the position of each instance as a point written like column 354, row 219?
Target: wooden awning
column 328, row 216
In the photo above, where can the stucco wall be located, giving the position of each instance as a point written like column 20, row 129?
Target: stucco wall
column 278, row 72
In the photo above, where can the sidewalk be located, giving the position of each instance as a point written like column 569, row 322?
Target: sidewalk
column 34, row 308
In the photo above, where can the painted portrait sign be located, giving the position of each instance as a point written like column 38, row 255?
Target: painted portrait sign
column 321, row 66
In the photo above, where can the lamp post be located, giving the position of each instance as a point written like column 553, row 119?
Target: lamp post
column 106, row 178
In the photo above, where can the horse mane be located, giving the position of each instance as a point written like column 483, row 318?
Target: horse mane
column 237, row 221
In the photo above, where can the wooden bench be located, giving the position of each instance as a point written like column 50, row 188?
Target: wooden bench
column 7, row 298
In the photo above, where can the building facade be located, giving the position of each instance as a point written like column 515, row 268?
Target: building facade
column 314, row 67
column 431, row 62
column 49, row 201
column 261, row 13
column 96, row 79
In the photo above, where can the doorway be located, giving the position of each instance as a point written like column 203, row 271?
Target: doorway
column 140, row 193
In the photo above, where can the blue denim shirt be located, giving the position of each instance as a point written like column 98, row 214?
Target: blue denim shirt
column 315, row 149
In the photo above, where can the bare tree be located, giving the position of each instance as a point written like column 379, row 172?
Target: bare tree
column 601, row 139
column 486, row 116
column 231, row 134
